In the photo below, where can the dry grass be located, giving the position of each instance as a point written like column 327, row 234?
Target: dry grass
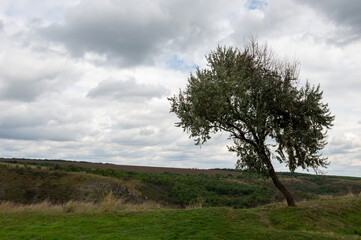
column 108, row 204
column 15, row 165
column 196, row 205
column 10, row 207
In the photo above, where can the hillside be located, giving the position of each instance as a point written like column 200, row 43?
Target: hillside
column 32, row 181
column 47, row 200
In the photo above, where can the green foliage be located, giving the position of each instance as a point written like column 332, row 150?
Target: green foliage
column 256, row 99
column 185, row 190
column 215, row 192
column 311, row 186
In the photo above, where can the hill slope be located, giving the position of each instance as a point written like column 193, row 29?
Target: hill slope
column 19, row 182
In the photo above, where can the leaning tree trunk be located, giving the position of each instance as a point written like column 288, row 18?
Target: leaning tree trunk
column 278, row 184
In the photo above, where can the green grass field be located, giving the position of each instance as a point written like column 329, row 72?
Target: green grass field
column 333, row 218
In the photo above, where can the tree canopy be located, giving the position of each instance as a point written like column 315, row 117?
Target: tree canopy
column 259, row 101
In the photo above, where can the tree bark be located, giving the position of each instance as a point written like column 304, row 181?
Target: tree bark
column 278, row 184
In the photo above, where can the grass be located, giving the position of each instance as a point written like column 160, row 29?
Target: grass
column 327, row 218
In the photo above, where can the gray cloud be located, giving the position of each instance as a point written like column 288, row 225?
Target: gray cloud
column 130, row 33
column 128, row 90
column 146, row 131
column 344, row 143
column 39, row 133
column 157, row 135
column 344, row 14
column 142, row 117
column 17, row 118
column 25, row 75
column 42, row 122
column 333, row 21
column 268, row 19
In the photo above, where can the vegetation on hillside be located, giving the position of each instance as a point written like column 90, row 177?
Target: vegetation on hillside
column 23, row 184
column 63, row 183
column 59, row 183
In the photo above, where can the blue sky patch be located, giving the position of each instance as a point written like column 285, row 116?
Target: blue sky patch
column 178, row 64
column 256, row 4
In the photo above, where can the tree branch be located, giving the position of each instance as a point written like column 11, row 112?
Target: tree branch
column 241, row 134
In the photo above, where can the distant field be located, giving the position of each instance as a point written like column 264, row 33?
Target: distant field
column 183, row 171
column 332, row 218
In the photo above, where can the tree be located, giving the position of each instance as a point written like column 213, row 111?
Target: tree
column 256, row 98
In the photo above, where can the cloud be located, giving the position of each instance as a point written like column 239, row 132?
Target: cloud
column 345, row 143
column 344, row 14
column 25, row 75
column 127, row 90
column 146, row 131
column 129, row 33
column 42, row 122
column 124, row 32
column 131, row 140
column 39, row 133
column 22, row 9
column 268, row 20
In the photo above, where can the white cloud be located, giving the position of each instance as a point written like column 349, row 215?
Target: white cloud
column 127, row 90
column 346, row 142
column 26, row 75
column 345, row 15
column 42, row 121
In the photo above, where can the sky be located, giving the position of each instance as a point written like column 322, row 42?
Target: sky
column 89, row 80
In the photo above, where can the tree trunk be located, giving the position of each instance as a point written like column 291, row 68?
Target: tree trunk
column 278, row 184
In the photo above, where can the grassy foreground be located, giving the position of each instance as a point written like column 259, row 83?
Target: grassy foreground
column 333, row 218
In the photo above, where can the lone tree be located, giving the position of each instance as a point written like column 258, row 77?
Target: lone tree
column 256, row 98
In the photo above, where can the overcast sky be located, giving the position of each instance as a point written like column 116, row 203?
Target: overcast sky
column 89, row 80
